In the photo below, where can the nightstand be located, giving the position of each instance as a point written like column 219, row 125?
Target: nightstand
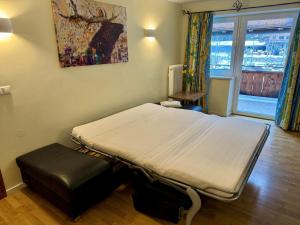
column 189, row 100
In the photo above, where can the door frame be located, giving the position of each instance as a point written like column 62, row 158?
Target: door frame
column 239, row 52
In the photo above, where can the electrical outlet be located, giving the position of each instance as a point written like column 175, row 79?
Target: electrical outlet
column 5, row 90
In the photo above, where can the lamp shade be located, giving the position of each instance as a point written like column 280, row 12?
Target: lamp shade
column 149, row 32
column 5, row 25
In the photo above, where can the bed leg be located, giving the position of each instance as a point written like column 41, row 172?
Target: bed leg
column 196, row 200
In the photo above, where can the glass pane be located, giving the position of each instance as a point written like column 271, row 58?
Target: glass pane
column 267, row 43
column 221, row 47
column 265, row 54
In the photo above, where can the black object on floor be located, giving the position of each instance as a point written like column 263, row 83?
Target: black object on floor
column 2, row 187
column 159, row 200
column 70, row 180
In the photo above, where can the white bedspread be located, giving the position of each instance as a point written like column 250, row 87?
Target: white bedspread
column 203, row 151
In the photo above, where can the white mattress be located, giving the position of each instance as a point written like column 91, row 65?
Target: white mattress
column 204, row 151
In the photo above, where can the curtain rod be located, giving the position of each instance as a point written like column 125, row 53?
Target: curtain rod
column 187, row 12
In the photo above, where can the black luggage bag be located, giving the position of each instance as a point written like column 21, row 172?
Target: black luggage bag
column 159, row 200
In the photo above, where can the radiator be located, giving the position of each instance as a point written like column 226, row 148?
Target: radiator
column 175, row 79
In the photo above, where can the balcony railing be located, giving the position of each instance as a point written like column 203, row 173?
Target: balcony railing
column 262, row 84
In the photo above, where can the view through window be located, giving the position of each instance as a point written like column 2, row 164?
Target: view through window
column 221, row 47
column 267, row 44
column 264, row 58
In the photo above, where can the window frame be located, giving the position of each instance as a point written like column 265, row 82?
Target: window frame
column 239, row 35
column 230, row 72
column 243, row 19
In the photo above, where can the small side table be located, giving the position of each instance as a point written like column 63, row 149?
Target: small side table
column 2, row 187
column 189, row 100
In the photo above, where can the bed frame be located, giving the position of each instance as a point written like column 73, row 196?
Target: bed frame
column 191, row 191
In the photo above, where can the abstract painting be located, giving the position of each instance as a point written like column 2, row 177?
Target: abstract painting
column 89, row 32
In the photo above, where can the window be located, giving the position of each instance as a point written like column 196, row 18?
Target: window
column 267, row 44
column 221, row 58
column 253, row 48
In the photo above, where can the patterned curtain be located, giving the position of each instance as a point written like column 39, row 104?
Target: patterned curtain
column 288, row 108
column 197, row 55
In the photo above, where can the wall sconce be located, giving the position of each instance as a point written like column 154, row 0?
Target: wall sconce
column 5, row 27
column 149, row 33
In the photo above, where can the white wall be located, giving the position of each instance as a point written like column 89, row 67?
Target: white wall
column 220, row 96
column 47, row 101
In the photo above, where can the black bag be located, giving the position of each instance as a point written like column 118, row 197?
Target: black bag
column 159, row 200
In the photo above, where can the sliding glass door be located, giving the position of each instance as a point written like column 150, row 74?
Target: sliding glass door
column 253, row 49
column 263, row 43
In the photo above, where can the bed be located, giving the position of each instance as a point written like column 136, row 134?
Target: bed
column 191, row 151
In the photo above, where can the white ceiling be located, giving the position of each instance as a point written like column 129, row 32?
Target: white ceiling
column 183, row 1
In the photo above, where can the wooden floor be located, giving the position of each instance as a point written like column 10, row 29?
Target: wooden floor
column 271, row 197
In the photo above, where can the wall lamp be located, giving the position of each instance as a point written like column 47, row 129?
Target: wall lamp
column 5, row 27
column 149, row 33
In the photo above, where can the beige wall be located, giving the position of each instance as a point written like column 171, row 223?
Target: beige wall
column 47, row 101
column 220, row 101
column 221, row 91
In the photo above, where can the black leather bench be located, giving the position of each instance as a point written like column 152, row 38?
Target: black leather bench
column 70, row 180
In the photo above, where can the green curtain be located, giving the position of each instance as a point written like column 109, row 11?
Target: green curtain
column 288, row 107
column 197, row 56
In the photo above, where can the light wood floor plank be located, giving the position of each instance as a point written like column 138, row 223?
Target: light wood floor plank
column 271, row 197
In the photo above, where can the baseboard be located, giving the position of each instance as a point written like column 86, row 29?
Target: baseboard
column 217, row 113
column 15, row 188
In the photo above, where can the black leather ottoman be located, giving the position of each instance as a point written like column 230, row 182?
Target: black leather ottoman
column 70, row 180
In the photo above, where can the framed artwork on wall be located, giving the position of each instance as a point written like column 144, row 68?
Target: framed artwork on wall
column 89, row 32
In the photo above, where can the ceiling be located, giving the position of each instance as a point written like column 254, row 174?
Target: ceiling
column 183, row 1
